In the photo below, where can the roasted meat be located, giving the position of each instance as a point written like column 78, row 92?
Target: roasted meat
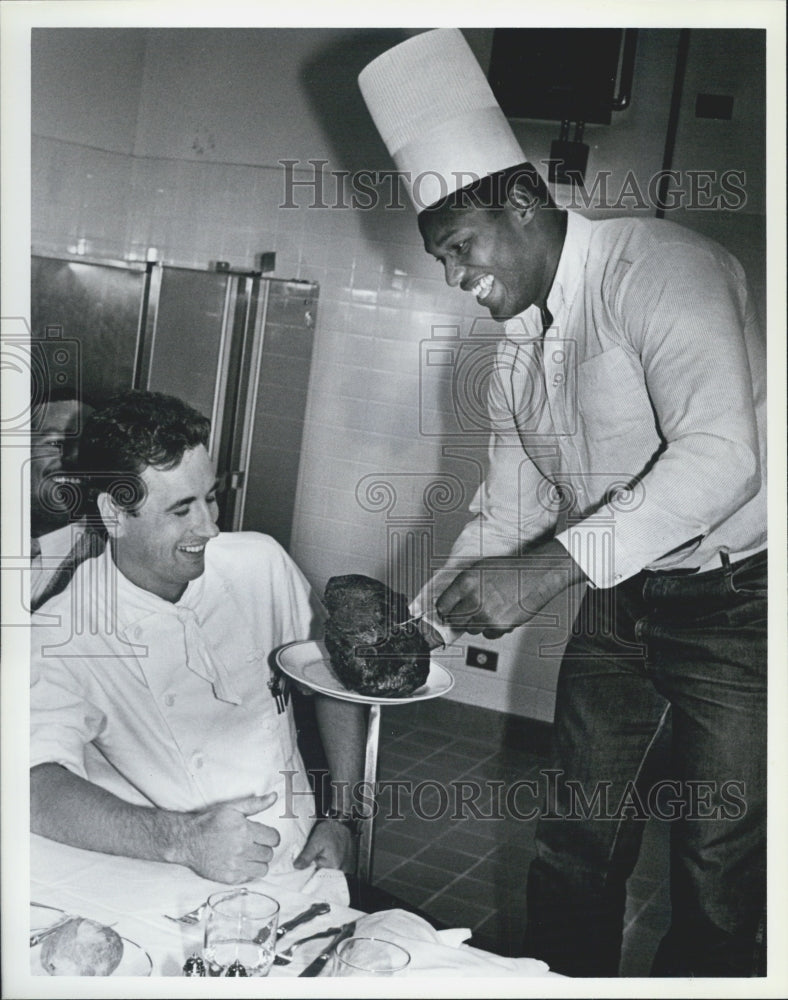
column 369, row 654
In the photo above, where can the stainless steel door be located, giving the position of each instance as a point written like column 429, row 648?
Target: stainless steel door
column 96, row 308
column 236, row 346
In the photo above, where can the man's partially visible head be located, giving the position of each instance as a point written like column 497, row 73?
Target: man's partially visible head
column 151, row 482
column 499, row 238
column 56, row 423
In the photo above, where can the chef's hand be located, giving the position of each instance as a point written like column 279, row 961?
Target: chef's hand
column 222, row 844
column 330, row 845
column 493, row 596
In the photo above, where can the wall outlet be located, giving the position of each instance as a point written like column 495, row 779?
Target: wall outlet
column 482, row 658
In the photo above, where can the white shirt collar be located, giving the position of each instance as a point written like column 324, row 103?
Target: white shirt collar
column 527, row 325
column 58, row 543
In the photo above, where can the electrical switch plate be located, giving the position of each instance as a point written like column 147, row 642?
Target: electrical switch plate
column 714, row 106
column 485, row 659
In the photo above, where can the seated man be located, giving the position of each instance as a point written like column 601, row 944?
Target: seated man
column 159, row 658
column 58, row 541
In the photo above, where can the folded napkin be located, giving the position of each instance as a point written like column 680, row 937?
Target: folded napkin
column 442, row 953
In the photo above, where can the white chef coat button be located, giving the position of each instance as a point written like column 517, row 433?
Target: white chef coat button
column 197, row 761
column 137, row 632
column 169, row 700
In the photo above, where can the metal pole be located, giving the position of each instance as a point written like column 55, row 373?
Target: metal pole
column 364, row 865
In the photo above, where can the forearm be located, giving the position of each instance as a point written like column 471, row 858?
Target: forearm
column 218, row 842
column 692, row 488
column 343, row 729
column 71, row 810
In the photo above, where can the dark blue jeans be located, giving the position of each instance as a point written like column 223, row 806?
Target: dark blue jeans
column 664, row 658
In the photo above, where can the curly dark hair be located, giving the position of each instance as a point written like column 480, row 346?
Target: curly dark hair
column 133, row 430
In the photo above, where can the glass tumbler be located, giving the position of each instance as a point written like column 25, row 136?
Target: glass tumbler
column 240, row 933
column 368, row 956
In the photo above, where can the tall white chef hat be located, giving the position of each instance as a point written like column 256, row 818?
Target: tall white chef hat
column 437, row 115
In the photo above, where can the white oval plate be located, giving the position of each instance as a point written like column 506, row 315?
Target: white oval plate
column 307, row 662
column 135, row 961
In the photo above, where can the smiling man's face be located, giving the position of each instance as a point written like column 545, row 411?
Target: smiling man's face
column 161, row 546
column 53, row 443
column 499, row 257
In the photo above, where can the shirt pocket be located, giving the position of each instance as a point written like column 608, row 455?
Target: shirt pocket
column 613, row 400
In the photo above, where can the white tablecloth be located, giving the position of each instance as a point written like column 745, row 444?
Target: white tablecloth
column 133, row 895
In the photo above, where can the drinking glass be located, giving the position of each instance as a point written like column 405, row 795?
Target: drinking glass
column 240, row 933
column 367, row 956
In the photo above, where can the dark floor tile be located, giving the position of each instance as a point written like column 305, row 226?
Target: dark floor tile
column 395, row 841
column 384, row 862
column 393, row 726
column 461, row 834
column 453, row 717
column 456, row 912
column 471, row 871
column 496, row 768
column 440, row 766
column 487, row 870
column 402, row 715
column 418, row 826
column 417, row 873
column 469, row 843
column 520, row 833
column 490, row 769
column 434, row 816
column 415, row 895
column 391, row 763
column 420, row 742
column 440, row 855
column 476, row 749
column 512, row 863
column 477, row 893
column 371, row 898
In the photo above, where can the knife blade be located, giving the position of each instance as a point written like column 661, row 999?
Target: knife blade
column 317, row 965
column 39, row 936
column 408, row 621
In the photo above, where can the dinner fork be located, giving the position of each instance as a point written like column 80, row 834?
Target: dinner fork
column 192, row 917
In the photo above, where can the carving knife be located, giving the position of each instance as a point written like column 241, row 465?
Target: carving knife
column 430, row 631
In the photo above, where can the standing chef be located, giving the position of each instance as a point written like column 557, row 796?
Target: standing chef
column 627, row 453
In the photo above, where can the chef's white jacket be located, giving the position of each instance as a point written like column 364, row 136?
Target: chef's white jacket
column 175, row 697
